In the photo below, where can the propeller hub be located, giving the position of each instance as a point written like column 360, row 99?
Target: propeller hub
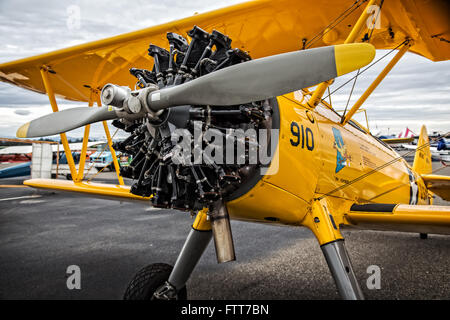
column 113, row 95
column 134, row 104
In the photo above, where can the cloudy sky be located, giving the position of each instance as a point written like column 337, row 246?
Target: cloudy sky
column 416, row 92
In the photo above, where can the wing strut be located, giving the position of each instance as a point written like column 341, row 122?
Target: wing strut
column 51, row 97
column 77, row 175
column 377, row 81
column 87, row 129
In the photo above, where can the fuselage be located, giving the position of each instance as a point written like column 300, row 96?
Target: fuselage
column 317, row 157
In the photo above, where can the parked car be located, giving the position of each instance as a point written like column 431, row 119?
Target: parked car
column 101, row 159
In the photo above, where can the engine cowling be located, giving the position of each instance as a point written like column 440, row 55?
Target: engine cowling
column 190, row 156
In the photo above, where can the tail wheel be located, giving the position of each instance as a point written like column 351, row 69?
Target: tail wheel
column 148, row 280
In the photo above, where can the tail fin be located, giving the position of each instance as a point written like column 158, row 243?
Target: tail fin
column 422, row 159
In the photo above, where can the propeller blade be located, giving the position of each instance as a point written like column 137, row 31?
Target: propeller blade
column 266, row 77
column 65, row 120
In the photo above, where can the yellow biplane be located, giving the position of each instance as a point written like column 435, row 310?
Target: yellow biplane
column 246, row 69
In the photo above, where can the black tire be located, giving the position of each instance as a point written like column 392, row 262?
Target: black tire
column 69, row 176
column 147, row 280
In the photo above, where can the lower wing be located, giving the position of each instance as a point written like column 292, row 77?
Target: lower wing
column 98, row 190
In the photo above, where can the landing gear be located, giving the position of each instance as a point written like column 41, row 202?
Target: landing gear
column 148, row 280
column 324, row 227
column 342, row 271
column 424, row 236
column 164, row 282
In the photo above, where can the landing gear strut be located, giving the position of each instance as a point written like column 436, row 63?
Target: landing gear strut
column 161, row 281
column 147, row 281
column 342, row 271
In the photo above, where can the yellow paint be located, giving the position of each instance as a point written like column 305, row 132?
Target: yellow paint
column 360, row 24
column 408, row 218
column 318, row 93
column 51, row 96
column 350, row 57
column 87, row 188
column 23, row 130
column 438, row 184
column 422, row 159
column 87, row 129
column 288, row 196
column 364, row 156
column 398, row 140
column 355, row 31
column 267, row 203
column 330, row 36
column 202, row 222
column 320, row 221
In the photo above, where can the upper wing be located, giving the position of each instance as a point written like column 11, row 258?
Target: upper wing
column 262, row 28
column 438, row 184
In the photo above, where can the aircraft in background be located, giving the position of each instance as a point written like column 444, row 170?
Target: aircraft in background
column 60, row 167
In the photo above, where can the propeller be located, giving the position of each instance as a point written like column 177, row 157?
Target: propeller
column 254, row 80
column 267, row 77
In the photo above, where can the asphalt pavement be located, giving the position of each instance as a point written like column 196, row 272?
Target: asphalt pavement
column 42, row 233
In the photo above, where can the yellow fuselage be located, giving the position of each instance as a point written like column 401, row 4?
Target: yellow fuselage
column 318, row 157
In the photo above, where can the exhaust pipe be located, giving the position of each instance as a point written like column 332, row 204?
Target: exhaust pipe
column 223, row 239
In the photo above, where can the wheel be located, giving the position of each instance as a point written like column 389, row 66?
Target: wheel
column 424, row 236
column 147, row 280
column 68, row 176
column 53, row 175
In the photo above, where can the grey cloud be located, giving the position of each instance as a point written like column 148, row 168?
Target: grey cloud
column 22, row 112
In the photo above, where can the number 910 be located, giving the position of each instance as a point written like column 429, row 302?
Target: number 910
column 302, row 135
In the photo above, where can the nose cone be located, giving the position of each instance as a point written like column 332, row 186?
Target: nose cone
column 351, row 57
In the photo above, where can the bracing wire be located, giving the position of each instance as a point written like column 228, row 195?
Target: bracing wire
column 334, row 23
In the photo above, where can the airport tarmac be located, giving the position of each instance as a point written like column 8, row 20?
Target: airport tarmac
column 42, row 233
